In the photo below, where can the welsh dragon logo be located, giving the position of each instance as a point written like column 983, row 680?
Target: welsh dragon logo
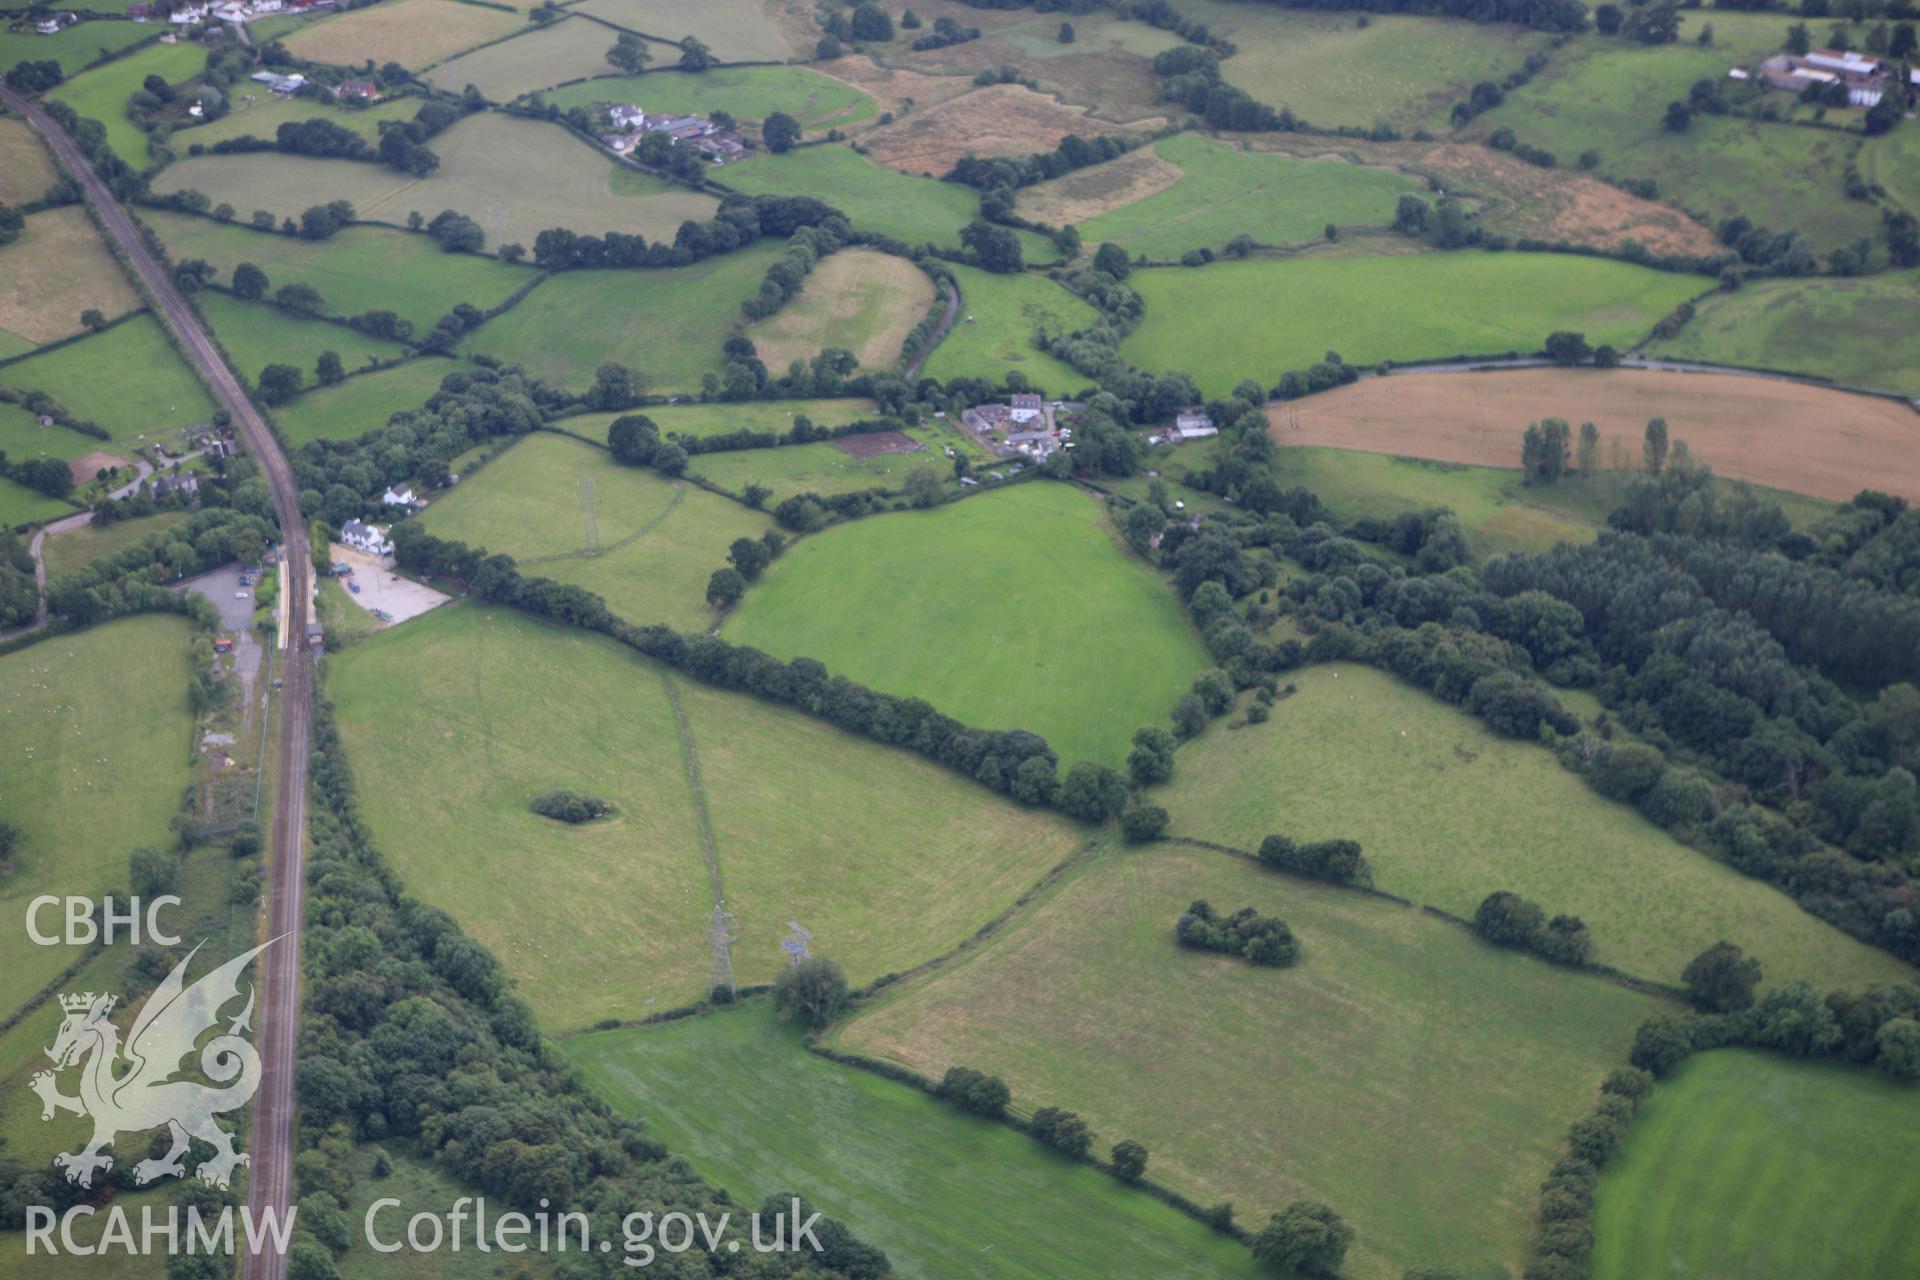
column 134, row 1088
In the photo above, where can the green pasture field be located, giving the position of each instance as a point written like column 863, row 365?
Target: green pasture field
column 1404, row 1072
column 20, row 505
column 256, row 335
column 659, row 540
column 263, row 117
column 128, row 380
column 362, row 268
column 751, row 93
column 1224, row 192
column 515, row 177
column 914, row 210
column 73, row 47
column 535, row 59
column 358, row 405
column 67, row 551
column 862, row 300
column 26, row 171
column 1856, row 331
column 206, row 916
column 1404, row 71
column 993, row 335
column 55, row 271
column 736, row 30
column 700, row 420
column 99, row 742
column 22, row 438
column 1499, row 512
column 1449, row 812
column 982, row 608
column 101, row 94
column 1611, row 96
column 11, row 346
column 1893, row 161
column 826, row 468
column 926, row 1182
column 1256, row 319
column 414, row 33
column 668, row 323
column 467, row 713
column 1753, row 1165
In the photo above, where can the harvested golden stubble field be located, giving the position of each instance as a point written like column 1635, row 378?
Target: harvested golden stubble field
column 1785, row 435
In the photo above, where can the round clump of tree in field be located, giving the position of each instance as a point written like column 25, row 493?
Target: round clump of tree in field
column 564, row 805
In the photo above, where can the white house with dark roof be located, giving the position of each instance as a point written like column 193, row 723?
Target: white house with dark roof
column 365, row 537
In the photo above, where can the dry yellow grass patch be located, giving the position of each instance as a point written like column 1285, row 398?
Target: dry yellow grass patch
column 1101, row 188
column 54, row 271
column 860, row 299
column 894, row 88
column 1785, row 435
column 25, row 170
column 414, row 33
column 999, row 120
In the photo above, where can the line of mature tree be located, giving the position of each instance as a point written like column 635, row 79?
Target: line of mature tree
column 1509, row 920
column 402, row 145
column 805, row 248
column 739, row 221
column 132, row 579
column 413, row 1037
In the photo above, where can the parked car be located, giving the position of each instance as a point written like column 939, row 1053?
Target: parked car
column 239, row 595
column 354, row 587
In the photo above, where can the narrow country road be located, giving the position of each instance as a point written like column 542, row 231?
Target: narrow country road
column 955, row 299
column 270, row 1179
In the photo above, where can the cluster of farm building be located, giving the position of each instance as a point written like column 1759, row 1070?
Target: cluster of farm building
column 627, row 125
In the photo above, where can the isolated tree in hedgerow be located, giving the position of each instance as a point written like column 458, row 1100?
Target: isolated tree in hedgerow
column 1141, row 822
column 328, row 369
column 629, row 53
column 1066, row 35
column 1897, row 1046
column 1568, row 347
column 150, row 872
column 1661, row 1044
column 975, row 1091
column 1654, row 446
column 815, row 990
column 632, row 438
column 1189, row 716
column 1129, row 1160
column 1093, row 792
column 922, row 486
column 1307, row 1237
column 694, row 56
column 670, row 460
column 279, row 383
column 781, row 132
column 749, row 556
column 1062, row 1130
column 93, row 319
column 250, row 282
column 1509, row 920
column 994, row 248
column 725, row 588
column 1721, row 979
column 1151, row 759
column 1113, row 260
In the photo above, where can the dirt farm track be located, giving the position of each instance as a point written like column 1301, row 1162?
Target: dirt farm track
column 1786, row 435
